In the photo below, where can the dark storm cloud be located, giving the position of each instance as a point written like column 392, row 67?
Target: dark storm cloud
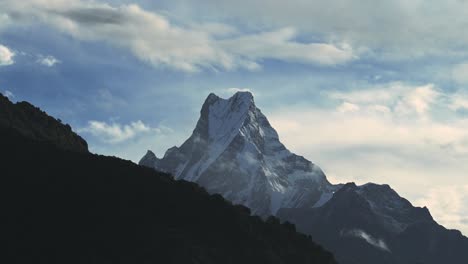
column 94, row 15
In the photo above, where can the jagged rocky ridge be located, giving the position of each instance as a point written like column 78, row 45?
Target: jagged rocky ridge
column 68, row 206
column 373, row 224
column 235, row 152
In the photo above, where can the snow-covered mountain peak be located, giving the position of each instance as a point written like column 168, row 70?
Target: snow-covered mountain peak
column 149, row 159
column 223, row 118
column 234, row 151
column 238, row 102
column 226, row 116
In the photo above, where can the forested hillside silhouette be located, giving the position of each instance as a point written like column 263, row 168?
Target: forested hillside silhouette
column 65, row 206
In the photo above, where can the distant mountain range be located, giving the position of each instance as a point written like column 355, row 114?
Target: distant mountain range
column 234, row 151
column 62, row 204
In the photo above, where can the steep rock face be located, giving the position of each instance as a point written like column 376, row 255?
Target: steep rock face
column 235, row 152
column 33, row 123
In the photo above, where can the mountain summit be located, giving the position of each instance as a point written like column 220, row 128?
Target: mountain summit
column 235, row 152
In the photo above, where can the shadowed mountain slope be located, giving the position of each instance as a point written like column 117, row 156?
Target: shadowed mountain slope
column 373, row 224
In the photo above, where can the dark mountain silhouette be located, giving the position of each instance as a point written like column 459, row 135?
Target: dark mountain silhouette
column 62, row 204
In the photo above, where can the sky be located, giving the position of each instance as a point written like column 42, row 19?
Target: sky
column 371, row 91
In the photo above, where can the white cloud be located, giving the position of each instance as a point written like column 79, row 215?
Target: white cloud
column 402, row 98
column 9, row 94
column 157, row 139
column 152, row 37
column 418, row 99
column 6, row 56
column 378, row 243
column 4, row 21
column 386, row 94
column 379, row 109
column 394, row 115
column 398, row 30
column 48, row 61
column 459, row 103
column 448, row 204
column 347, row 107
column 115, row 132
column 280, row 45
column 458, row 100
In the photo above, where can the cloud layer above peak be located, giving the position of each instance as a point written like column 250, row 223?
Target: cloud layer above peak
column 153, row 38
column 399, row 29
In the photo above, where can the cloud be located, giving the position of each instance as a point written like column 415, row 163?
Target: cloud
column 280, row 45
column 108, row 101
column 448, row 204
column 378, row 243
column 152, row 37
column 6, row 56
column 347, row 107
column 459, row 102
column 418, row 100
column 9, row 94
column 157, row 139
column 217, row 29
column 4, row 21
column 391, row 30
column 115, row 132
column 48, row 61
column 460, row 73
column 391, row 115
column 403, row 99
